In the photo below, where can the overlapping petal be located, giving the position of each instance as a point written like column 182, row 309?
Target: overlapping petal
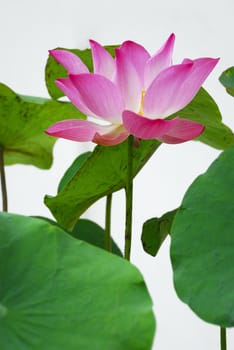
column 69, row 61
column 128, row 81
column 160, row 61
column 202, row 67
column 103, row 62
column 137, row 55
column 176, row 130
column 168, row 93
column 111, row 135
column 183, row 130
column 66, row 85
column 84, row 130
column 100, row 96
column 75, row 130
column 176, row 86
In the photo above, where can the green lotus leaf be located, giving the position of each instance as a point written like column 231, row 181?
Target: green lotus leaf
column 23, row 120
column 227, row 80
column 58, row 292
column 155, row 231
column 202, row 247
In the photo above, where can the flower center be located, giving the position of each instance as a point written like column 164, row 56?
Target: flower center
column 142, row 102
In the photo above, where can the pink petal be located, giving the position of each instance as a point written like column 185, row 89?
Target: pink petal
column 138, row 55
column 69, row 61
column 100, row 96
column 74, row 129
column 169, row 92
column 112, row 137
column 170, row 131
column 202, row 67
column 73, row 94
column 144, row 128
column 161, row 60
column 176, row 86
column 103, row 62
column 183, row 130
column 83, row 130
column 128, row 81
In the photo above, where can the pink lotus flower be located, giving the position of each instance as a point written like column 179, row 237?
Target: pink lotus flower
column 130, row 94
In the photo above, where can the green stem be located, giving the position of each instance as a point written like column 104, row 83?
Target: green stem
column 223, row 341
column 3, row 180
column 129, row 195
column 108, row 244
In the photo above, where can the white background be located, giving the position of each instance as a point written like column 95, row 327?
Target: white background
column 29, row 28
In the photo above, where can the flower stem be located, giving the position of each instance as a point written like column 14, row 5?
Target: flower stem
column 129, row 195
column 223, row 341
column 3, row 180
column 108, row 244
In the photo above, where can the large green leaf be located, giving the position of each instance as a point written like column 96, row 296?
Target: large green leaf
column 155, row 231
column 204, row 110
column 202, row 248
column 23, row 120
column 102, row 173
column 227, row 79
column 54, row 70
column 57, row 292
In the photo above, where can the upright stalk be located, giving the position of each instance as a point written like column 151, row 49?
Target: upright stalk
column 223, row 341
column 129, row 195
column 108, row 245
column 3, row 180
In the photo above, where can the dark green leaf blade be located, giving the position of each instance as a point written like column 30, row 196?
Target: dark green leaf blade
column 54, row 70
column 104, row 172
column 227, row 80
column 57, row 292
column 73, row 169
column 89, row 231
column 23, row 120
column 155, row 231
column 202, row 248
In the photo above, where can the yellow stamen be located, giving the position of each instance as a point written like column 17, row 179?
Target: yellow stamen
column 142, row 101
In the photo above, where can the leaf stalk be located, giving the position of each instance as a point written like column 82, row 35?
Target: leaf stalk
column 223, row 340
column 108, row 243
column 3, row 181
column 129, row 200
